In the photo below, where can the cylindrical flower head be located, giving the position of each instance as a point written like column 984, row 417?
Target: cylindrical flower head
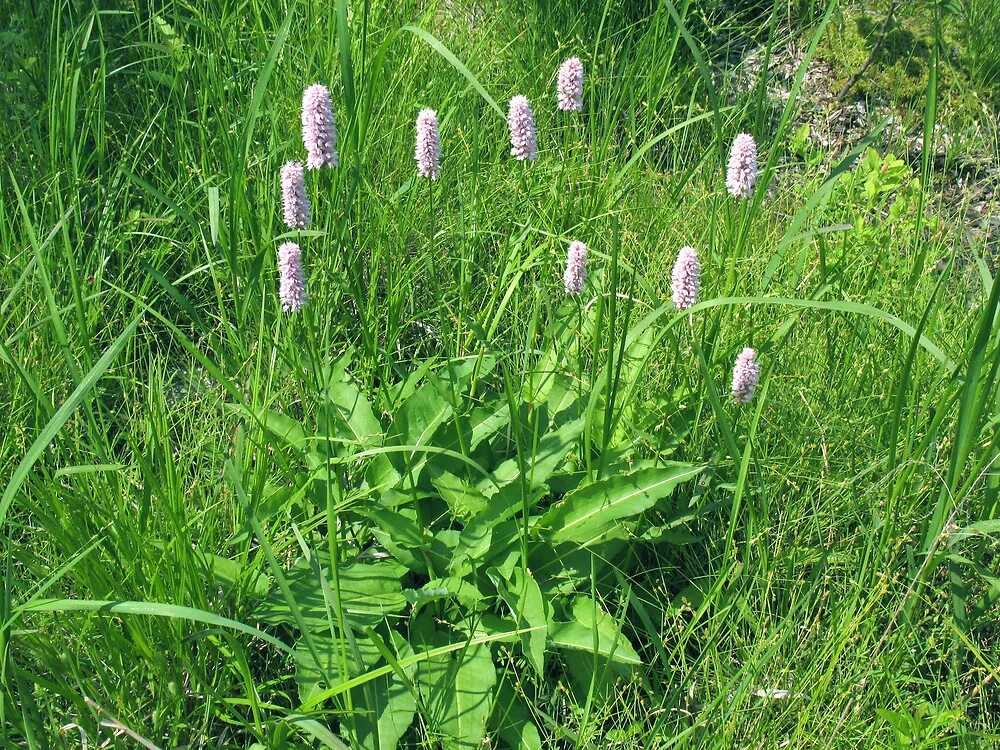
column 319, row 130
column 742, row 172
column 292, row 279
column 293, row 195
column 569, row 88
column 746, row 371
column 521, row 120
column 428, row 150
column 686, row 278
column 576, row 268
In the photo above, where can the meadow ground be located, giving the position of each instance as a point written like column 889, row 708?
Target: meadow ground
column 447, row 504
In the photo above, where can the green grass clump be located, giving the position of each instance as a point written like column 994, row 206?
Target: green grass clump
column 447, row 506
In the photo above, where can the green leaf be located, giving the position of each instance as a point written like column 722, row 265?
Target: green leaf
column 590, row 620
column 542, row 378
column 980, row 528
column 418, row 419
column 476, row 539
column 456, row 688
column 352, row 419
column 58, row 419
column 422, row 413
column 525, row 599
column 407, row 541
column 457, row 64
column 313, row 678
column 368, row 592
column 639, row 350
column 473, row 544
column 353, row 415
column 543, row 461
column 463, row 499
column 285, row 428
column 231, row 572
column 451, row 587
column 485, row 421
column 155, row 609
column 315, row 730
column 381, row 724
column 512, row 720
column 587, row 514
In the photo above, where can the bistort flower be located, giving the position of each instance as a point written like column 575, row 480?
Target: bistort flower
column 428, row 150
column 569, row 87
column 746, row 372
column 292, row 279
column 742, row 172
column 686, row 278
column 293, row 196
column 521, row 121
column 576, row 268
column 319, row 130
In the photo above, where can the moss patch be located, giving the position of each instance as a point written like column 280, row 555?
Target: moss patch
column 900, row 71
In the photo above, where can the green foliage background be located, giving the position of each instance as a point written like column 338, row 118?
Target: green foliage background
column 448, row 506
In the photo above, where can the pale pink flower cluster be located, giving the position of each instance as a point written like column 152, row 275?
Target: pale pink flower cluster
column 292, row 279
column 319, row 130
column 521, row 121
column 576, row 268
column 746, row 372
column 742, row 172
column 686, row 278
column 293, row 195
column 569, row 86
column 428, row 149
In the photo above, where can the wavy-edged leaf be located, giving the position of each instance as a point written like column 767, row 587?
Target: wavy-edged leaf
column 369, row 592
column 525, row 599
column 381, row 724
column 591, row 626
column 456, row 688
column 587, row 514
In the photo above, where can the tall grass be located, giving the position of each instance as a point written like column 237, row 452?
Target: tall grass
column 176, row 466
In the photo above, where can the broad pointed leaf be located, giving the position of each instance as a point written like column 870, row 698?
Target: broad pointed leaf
column 586, row 515
column 456, row 689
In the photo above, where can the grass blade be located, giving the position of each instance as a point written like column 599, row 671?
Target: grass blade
column 58, row 419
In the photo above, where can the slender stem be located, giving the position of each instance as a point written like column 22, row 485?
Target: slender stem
column 333, row 490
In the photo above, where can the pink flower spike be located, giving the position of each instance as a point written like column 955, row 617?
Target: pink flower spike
column 292, row 279
column 686, row 278
column 293, row 196
column 569, row 88
column 742, row 172
column 576, row 268
column 428, row 150
column 521, row 120
column 319, row 129
column 746, row 372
